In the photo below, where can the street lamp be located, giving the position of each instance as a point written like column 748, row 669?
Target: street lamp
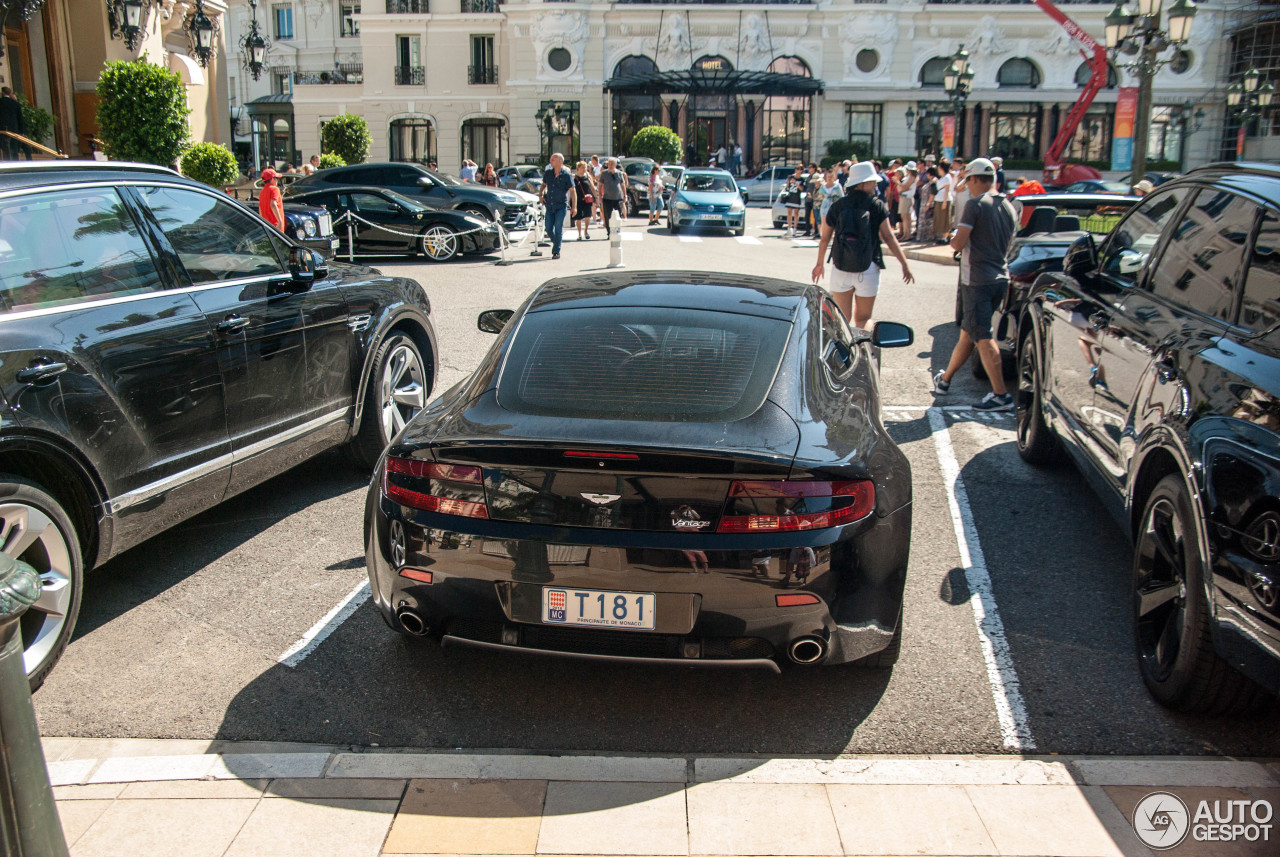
column 253, row 45
column 1246, row 100
column 126, row 19
column 911, row 118
column 202, row 32
column 1139, row 35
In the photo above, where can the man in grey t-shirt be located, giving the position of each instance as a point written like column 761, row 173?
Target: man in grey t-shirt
column 613, row 193
column 982, row 236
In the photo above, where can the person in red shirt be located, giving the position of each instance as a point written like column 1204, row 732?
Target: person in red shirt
column 270, row 205
column 1027, row 187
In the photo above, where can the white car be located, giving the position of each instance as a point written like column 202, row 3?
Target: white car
column 758, row 187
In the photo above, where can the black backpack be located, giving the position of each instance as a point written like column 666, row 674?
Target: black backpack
column 856, row 243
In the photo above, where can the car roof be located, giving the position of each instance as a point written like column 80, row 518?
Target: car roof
column 1077, row 199
column 23, row 174
column 709, row 171
column 1260, row 179
column 718, row 292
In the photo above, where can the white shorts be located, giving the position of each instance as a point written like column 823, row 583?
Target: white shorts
column 863, row 285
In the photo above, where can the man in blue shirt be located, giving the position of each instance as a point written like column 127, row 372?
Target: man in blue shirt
column 557, row 197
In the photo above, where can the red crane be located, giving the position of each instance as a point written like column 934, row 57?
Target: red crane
column 1095, row 55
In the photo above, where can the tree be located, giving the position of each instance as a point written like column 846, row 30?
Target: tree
column 331, row 159
column 347, row 137
column 210, row 163
column 142, row 113
column 657, row 143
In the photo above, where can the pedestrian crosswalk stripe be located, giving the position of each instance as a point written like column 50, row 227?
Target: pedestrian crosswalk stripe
column 632, row 236
column 804, row 242
column 747, row 239
column 690, row 239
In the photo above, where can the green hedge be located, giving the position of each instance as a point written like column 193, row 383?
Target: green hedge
column 331, row 159
column 211, row 164
column 142, row 113
column 348, row 137
column 658, row 143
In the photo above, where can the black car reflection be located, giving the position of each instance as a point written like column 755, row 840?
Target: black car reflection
column 683, row 467
column 380, row 221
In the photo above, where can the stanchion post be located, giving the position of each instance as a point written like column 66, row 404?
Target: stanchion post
column 615, row 241
column 29, row 825
column 351, row 241
column 502, row 235
column 539, row 216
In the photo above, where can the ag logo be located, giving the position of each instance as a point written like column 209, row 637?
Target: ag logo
column 1161, row 820
column 686, row 518
column 600, row 499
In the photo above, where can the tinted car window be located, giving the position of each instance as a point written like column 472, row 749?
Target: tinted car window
column 628, row 363
column 363, row 175
column 68, row 246
column 1260, row 305
column 369, row 202
column 1127, row 251
column 215, row 240
column 1200, row 263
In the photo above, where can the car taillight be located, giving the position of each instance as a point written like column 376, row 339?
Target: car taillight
column 450, row 489
column 778, row 507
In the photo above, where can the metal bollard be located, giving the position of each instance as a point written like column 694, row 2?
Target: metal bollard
column 615, row 241
column 29, row 825
column 539, row 218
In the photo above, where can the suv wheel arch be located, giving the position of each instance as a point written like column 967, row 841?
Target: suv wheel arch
column 71, row 482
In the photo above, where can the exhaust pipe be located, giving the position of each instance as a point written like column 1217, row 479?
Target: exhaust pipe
column 807, row 650
column 411, row 622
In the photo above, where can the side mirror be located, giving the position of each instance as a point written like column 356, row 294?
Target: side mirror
column 1082, row 258
column 425, row 181
column 891, row 334
column 744, row 196
column 306, row 266
column 494, row 320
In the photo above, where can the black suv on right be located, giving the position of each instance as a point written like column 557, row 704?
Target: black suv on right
column 1155, row 363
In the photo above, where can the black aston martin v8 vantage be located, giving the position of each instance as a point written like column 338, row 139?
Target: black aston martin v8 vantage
column 675, row 467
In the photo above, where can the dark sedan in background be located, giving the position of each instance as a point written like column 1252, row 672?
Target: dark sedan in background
column 1155, row 363
column 382, row 221
column 676, row 467
column 163, row 349
column 432, row 189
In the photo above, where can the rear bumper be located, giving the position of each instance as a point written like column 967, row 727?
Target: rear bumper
column 714, row 606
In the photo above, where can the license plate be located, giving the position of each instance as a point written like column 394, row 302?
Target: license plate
column 596, row 609
column 333, row 244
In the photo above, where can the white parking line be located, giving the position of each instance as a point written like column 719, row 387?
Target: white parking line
column 690, row 239
column 632, row 236
column 1006, row 691
column 747, row 239
column 341, row 612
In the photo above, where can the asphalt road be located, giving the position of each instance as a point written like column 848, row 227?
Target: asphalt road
column 182, row 636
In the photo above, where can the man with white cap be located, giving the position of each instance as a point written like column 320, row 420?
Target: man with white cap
column 982, row 236
column 999, row 162
column 857, row 223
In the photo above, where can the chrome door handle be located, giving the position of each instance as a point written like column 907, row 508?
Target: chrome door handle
column 40, row 373
column 233, row 324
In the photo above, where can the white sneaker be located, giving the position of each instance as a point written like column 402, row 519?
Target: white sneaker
column 941, row 387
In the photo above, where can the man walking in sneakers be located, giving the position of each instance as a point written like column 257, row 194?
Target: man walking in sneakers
column 558, row 196
column 982, row 236
column 613, row 193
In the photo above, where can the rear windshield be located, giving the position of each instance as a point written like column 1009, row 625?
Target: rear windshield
column 634, row 363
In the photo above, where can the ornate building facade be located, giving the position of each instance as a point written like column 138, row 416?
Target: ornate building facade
column 511, row 81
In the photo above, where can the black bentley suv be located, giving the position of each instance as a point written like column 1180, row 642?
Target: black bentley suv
column 162, row 349
column 1155, row 363
column 662, row 467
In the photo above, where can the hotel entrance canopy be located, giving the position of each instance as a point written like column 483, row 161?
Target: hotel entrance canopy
column 705, row 81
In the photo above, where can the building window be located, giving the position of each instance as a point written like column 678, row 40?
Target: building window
column 785, row 134
column 862, row 128
column 867, row 60
column 1018, row 73
column 350, row 26
column 409, row 70
column 1084, row 73
column 284, row 21
column 413, row 139
column 633, row 112
column 933, row 71
column 558, row 126
column 1181, row 62
column 559, row 59
column 1014, row 130
column 1164, row 142
column 1092, row 141
column 483, row 70
column 482, row 140
column 282, row 82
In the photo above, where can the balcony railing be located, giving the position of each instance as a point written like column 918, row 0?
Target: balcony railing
column 482, row 75
column 408, row 7
column 341, row 73
column 410, row 75
column 476, row 7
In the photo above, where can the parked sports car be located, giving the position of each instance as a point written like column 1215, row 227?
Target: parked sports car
column 1153, row 363
column 659, row 466
column 383, row 221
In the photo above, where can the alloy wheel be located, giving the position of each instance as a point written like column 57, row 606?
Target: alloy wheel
column 28, row 534
column 1025, row 400
column 439, row 243
column 401, row 393
column 1160, row 600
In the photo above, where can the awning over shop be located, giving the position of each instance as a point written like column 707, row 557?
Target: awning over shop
column 700, row 81
column 271, row 104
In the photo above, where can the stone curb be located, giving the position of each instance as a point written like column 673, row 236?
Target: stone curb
column 134, row 761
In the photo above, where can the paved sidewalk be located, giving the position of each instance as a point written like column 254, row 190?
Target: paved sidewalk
column 940, row 254
column 132, row 797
